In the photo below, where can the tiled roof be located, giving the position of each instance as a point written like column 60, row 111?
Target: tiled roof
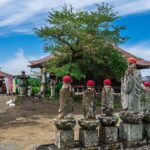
column 38, row 63
column 3, row 74
column 141, row 63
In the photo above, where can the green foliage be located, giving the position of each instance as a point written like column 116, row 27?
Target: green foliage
column 83, row 42
column 65, row 69
column 35, row 90
column 35, row 83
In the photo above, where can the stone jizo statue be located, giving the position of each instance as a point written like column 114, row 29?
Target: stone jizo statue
column 146, row 97
column 66, row 99
column 107, row 98
column 131, row 88
column 89, row 101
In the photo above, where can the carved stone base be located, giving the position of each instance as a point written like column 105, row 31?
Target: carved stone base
column 88, row 134
column 64, row 139
column 88, row 124
column 64, row 133
column 131, row 132
column 108, row 121
column 65, row 124
column 114, row 146
column 88, row 138
column 108, row 135
column 131, row 118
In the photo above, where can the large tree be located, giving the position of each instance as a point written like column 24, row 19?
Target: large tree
column 82, row 42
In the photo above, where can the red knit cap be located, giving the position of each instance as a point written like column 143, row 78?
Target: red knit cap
column 132, row 60
column 90, row 83
column 107, row 82
column 67, row 79
column 146, row 84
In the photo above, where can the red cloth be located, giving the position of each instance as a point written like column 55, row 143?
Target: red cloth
column 107, row 82
column 146, row 83
column 67, row 79
column 10, row 85
column 132, row 60
column 90, row 83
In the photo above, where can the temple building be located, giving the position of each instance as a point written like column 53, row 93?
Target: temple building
column 3, row 77
column 141, row 64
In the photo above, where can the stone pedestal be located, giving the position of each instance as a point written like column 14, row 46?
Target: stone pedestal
column 131, row 135
column 65, row 139
column 88, row 134
column 131, row 132
column 108, row 135
column 64, row 133
column 88, row 138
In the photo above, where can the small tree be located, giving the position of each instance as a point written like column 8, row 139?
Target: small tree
column 83, row 42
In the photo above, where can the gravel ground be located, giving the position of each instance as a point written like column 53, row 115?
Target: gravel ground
column 30, row 123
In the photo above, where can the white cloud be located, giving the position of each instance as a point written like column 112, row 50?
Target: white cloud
column 141, row 50
column 18, row 63
column 15, row 13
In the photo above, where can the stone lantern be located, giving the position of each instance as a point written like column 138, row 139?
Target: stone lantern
column 23, row 85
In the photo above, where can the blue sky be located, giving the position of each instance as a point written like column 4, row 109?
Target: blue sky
column 18, row 44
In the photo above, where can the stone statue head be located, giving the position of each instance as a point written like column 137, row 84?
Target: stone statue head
column 67, row 79
column 90, row 84
column 107, row 82
column 132, row 61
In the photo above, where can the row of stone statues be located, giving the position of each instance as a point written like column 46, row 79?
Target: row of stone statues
column 88, row 99
column 135, row 99
column 134, row 95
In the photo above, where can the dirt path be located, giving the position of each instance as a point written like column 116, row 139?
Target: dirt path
column 29, row 124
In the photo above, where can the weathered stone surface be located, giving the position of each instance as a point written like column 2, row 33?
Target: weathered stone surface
column 131, row 132
column 65, row 124
column 88, row 124
column 108, row 135
column 89, row 103
column 107, row 100
column 108, row 121
column 114, row 146
column 64, row 139
column 128, row 117
column 66, row 101
column 131, row 89
column 88, row 138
